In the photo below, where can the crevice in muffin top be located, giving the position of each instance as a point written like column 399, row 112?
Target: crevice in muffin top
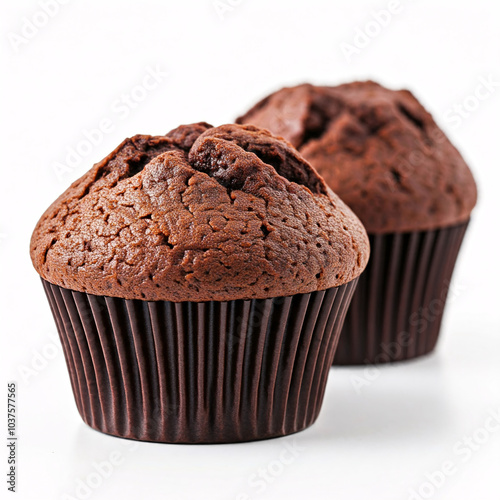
column 324, row 106
column 229, row 154
column 220, row 153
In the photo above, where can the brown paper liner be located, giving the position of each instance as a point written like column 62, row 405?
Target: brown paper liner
column 398, row 306
column 209, row 372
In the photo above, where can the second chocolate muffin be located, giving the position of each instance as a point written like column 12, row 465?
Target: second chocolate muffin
column 384, row 155
column 199, row 281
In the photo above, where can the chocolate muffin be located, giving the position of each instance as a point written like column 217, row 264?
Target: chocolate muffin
column 199, row 281
column 384, row 155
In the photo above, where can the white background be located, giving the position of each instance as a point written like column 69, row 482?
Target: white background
column 380, row 442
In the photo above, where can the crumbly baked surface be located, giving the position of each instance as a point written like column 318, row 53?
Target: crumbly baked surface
column 200, row 214
column 378, row 149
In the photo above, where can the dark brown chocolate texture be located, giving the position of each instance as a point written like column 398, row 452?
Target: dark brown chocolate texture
column 378, row 149
column 200, row 214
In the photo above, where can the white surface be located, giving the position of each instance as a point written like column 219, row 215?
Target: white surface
column 379, row 443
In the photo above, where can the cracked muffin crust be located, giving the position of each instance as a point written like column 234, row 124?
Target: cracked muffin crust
column 200, row 214
column 378, row 149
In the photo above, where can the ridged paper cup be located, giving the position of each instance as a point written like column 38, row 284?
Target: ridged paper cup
column 398, row 306
column 208, row 372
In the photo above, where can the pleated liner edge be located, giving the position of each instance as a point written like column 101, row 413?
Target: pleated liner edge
column 209, row 372
column 398, row 306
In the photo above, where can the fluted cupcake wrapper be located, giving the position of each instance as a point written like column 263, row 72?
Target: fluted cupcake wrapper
column 208, row 372
column 398, row 306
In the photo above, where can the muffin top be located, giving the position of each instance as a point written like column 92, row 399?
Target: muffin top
column 378, row 149
column 200, row 214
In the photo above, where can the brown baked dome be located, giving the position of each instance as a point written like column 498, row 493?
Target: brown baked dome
column 378, row 149
column 200, row 214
